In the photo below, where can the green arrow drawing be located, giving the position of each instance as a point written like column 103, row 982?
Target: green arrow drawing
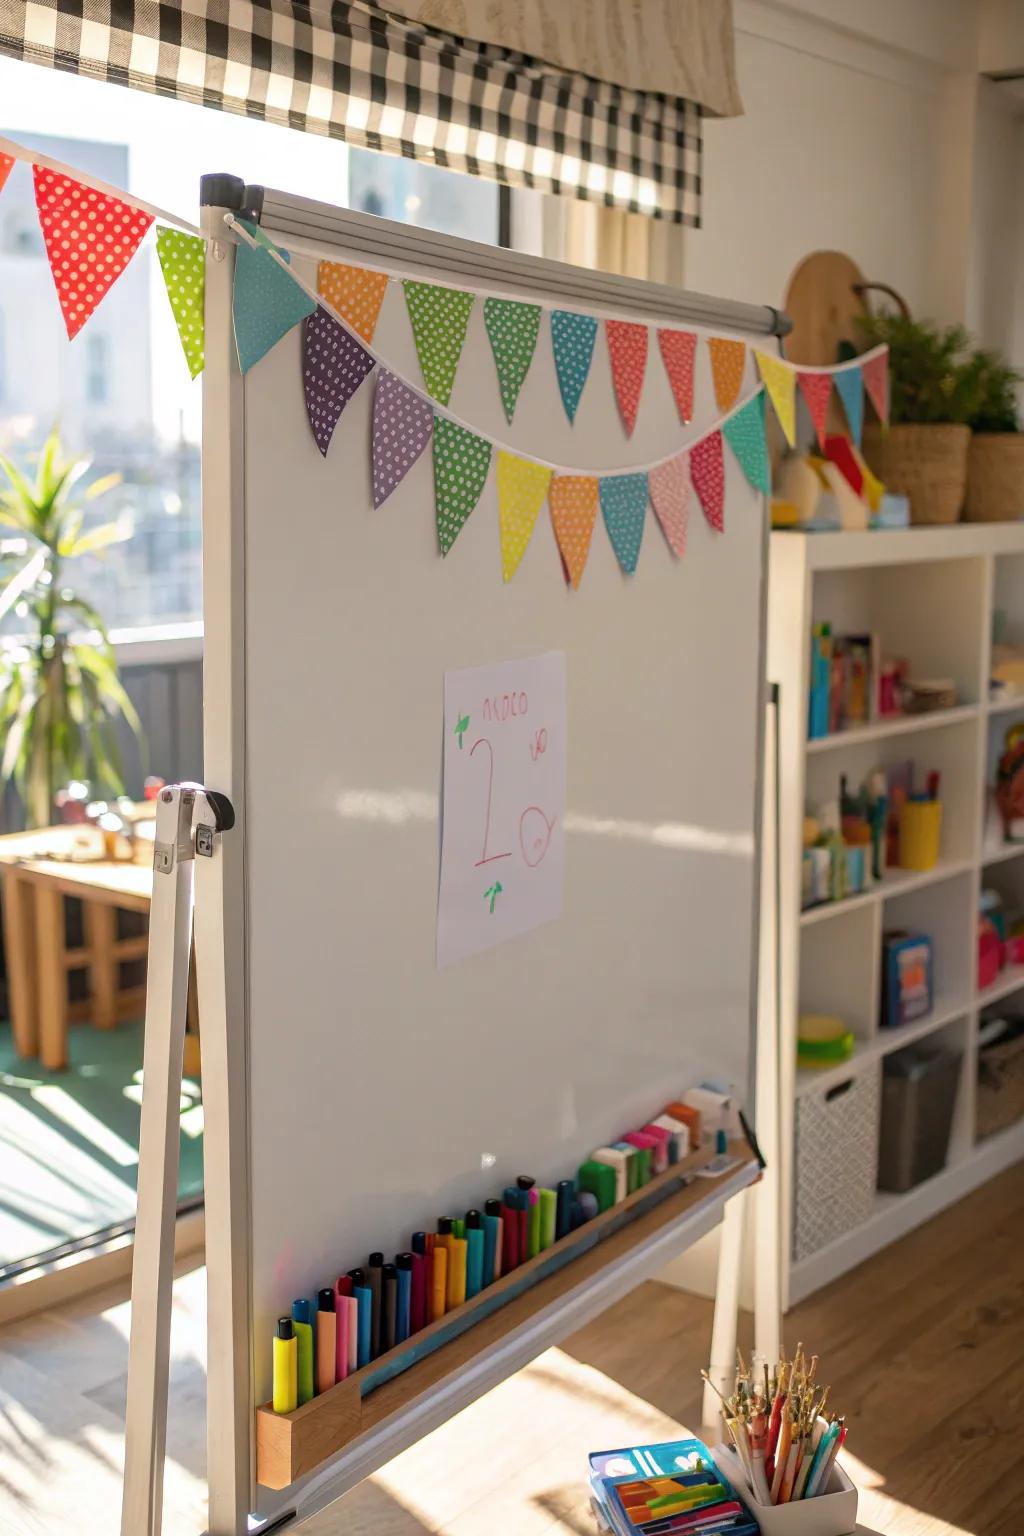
column 461, row 727
column 493, row 893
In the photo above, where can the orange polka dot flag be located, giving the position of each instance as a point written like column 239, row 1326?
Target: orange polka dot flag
column 90, row 238
column 574, row 500
column 355, row 293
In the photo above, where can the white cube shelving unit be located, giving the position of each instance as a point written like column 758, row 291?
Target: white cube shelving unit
column 931, row 595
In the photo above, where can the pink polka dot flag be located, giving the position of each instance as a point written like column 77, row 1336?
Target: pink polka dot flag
column 627, row 350
column 707, row 471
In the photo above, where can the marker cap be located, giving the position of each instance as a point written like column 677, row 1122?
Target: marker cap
column 474, row 1220
column 390, row 1272
column 284, row 1328
column 492, row 1207
column 300, row 1310
column 525, row 1182
column 419, row 1242
column 445, row 1226
column 358, row 1276
column 376, row 1260
column 403, row 1261
column 325, row 1300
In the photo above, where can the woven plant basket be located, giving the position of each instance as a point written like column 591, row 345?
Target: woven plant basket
column 995, row 478
column 927, row 463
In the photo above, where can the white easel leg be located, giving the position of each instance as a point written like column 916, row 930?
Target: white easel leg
column 722, row 1367
column 170, row 934
column 767, row 1213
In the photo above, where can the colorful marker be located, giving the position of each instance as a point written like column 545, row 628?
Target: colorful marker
column 510, row 1231
column 474, row 1253
column 389, row 1307
column 524, row 1183
column 375, row 1265
column 286, row 1363
column 418, row 1292
column 326, row 1340
column 563, row 1213
column 456, row 1272
column 492, row 1241
column 548, row 1217
column 439, row 1284
column 403, row 1318
column 304, row 1348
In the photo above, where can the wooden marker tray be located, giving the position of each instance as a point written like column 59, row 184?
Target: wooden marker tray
column 291, row 1445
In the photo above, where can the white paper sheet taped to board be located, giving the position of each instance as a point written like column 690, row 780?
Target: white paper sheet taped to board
column 503, row 826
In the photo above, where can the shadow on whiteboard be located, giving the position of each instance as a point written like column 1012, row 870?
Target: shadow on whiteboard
column 400, row 806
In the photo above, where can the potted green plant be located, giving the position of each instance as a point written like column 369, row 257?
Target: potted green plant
column 933, row 396
column 60, row 692
column 995, row 465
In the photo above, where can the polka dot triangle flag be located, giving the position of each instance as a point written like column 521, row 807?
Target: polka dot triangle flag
column 572, row 342
column 677, row 353
column 265, row 303
column 744, row 432
column 461, row 462
column 876, row 381
column 816, row 389
column 669, row 485
column 90, row 238
column 707, row 471
column 627, row 349
column 402, row 424
column 779, row 380
column 512, row 328
column 850, row 384
column 439, row 317
column 183, row 264
column 333, row 367
column 356, row 294
column 6, row 166
column 624, row 507
column 522, row 487
column 573, row 500
column 727, row 362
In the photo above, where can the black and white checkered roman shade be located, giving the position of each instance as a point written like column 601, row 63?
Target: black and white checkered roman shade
column 355, row 72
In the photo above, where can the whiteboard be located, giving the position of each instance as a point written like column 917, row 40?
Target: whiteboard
column 382, row 1091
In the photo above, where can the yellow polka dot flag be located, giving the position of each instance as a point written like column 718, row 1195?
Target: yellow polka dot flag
column 522, row 487
column 779, row 379
column 183, row 264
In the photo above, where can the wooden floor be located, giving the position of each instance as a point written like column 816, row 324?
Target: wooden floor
column 924, row 1345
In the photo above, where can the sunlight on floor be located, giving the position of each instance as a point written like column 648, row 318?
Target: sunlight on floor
column 74, row 1115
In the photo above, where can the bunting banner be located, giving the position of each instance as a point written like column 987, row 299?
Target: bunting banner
column 727, row 362
column 439, row 317
column 333, row 367
column 850, row 384
column 875, row 372
column 707, row 471
column 816, row 389
column 779, row 380
column 522, row 488
column 90, row 238
column 265, row 303
column 6, row 166
column 572, row 342
column 402, row 424
column 512, row 329
column 354, row 293
column 573, row 500
column 627, row 350
column 745, row 434
column 669, row 485
column 624, row 508
column 461, row 462
column 183, row 264
column 678, row 349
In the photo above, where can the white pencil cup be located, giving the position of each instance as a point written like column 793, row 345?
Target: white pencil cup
column 828, row 1514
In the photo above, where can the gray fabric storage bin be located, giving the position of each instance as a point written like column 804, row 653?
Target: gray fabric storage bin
column 836, row 1159
column 918, row 1098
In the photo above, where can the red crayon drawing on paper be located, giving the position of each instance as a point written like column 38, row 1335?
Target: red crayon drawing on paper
column 535, row 834
column 539, row 744
column 506, row 706
column 485, row 857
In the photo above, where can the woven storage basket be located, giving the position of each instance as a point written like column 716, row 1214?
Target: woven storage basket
column 928, row 464
column 836, row 1159
column 1000, row 1099
column 995, row 478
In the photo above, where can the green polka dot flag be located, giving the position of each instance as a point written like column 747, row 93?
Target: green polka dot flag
column 512, row 328
column 183, row 264
column 461, row 462
column 439, row 317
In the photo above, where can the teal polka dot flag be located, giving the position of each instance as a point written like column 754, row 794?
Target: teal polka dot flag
column 183, row 264
column 744, row 432
column 461, row 462
column 572, row 341
column 439, row 317
column 850, row 384
column 512, row 328
column 265, row 304
column 624, row 509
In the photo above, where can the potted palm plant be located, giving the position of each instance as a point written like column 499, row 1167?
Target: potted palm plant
column 995, row 465
column 934, row 394
column 60, row 692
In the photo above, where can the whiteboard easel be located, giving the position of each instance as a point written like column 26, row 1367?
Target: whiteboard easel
column 251, row 575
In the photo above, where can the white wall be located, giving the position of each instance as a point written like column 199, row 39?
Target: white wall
column 995, row 289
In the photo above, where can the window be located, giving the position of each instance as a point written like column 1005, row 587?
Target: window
column 3, row 360
column 120, row 391
column 97, row 362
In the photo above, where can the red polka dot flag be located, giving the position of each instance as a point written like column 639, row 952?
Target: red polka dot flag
column 90, row 238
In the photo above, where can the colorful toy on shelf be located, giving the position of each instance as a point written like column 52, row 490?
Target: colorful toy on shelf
column 820, row 493
column 822, row 1040
column 851, row 683
column 849, row 843
column 907, row 970
column 1010, row 784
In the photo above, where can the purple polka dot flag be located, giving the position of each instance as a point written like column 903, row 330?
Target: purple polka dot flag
column 333, row 367
column 402, row 423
